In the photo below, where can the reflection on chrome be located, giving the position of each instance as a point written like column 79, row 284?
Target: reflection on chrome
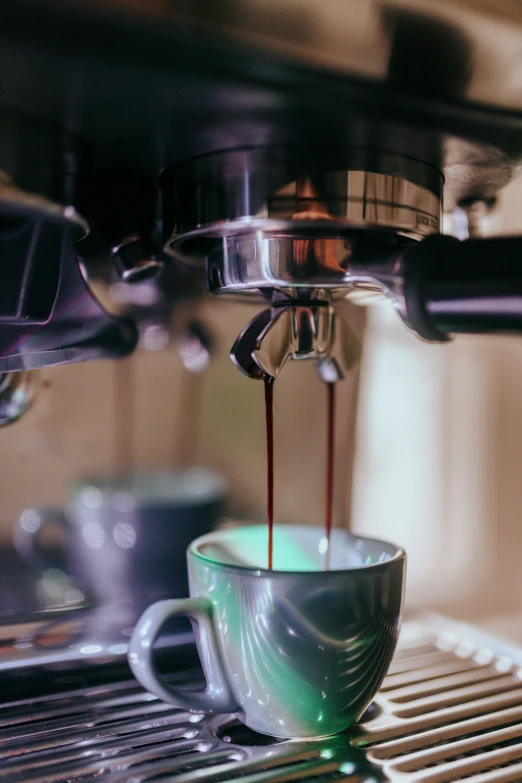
column 91, row 497
column 124, row 501
column 93, row 534
column 30, row 520
column 124, row 535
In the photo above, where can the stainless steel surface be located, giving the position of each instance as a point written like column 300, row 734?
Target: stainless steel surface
column 283, row 223
column 303, row 226
column 19, row 202
column 267, row 646
column 48, row 315
column 17, row 394
column 312, row 330
column 164, row 305
column 276, row 217
column 284, row 217
column 450, row 709
column 136, row 259
column 68, row 638
column 115, row 732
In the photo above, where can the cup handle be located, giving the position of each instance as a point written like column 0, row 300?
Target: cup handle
column 29, row 527
column 217, row 696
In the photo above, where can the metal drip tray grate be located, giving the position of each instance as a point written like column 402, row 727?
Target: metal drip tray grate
column 450, row 709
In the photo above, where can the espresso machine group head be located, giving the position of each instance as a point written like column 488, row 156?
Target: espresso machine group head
column 304, row 228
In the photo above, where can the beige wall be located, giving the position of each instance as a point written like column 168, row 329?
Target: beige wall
column 71, row 430
column 439, row 457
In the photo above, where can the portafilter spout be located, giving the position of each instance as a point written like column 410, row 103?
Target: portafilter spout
column 300, row 328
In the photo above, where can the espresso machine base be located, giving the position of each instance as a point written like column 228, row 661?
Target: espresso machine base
column 449, row 709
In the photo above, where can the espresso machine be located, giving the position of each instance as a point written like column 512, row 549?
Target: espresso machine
column 290, row 203
column 293, row 155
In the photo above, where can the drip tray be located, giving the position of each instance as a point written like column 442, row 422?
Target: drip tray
column 450, row 709
column 236, row 733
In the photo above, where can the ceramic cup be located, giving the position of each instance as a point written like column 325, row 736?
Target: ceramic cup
column 125, row 539
column 297, row 651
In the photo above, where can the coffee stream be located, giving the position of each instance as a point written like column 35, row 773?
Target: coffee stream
column 269, row 413
column 330, row 460
column 330, row 463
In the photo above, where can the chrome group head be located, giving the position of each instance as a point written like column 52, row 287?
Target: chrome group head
column 299, row 230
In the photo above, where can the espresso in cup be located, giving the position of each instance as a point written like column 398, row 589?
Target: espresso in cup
column 297, row 651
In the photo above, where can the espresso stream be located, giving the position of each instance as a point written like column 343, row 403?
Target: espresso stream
column 269, row 414
column 330, row 465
